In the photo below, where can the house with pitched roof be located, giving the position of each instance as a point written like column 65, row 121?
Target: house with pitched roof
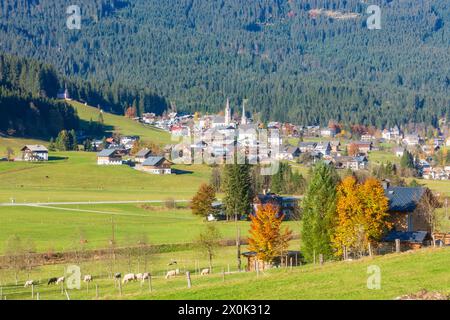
column 411, row 208
column 156, row 165
column 142, row 155
column 34, row 153
column 411, row 211
column 109, row 157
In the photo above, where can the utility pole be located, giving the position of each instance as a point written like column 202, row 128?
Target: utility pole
column 238, row 242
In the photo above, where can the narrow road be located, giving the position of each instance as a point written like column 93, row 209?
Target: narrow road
column 10, row 204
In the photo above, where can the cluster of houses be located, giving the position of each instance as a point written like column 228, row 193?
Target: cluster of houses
column 143, row 161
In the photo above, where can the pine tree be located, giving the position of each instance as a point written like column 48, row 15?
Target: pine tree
column 52, row 146
column 63, row 141
column 319, row 209
column 238, row 191
column 407, row 160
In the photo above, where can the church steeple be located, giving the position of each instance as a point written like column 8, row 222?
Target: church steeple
column 244, row 117
column 228, row 113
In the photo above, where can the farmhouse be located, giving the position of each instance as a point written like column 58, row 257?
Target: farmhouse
column 307, row 146
column 288, row 206
column 109, row 157
column 411, row 208
column 289, row 153
column 142, row 155
column 363, row 147
column 156, row 165
column 34, row 153
column 353, row 163
column 411, row 211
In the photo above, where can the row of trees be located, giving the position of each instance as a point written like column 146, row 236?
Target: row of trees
column 66, row 141
column 342, row 218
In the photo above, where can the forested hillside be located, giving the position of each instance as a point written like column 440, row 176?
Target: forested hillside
column 28, row 105
column 291, row 63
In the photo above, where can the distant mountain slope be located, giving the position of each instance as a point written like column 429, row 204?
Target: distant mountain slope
column 289, row 61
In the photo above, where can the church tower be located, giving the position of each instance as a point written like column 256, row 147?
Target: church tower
column 244, row 117
column 228, row 113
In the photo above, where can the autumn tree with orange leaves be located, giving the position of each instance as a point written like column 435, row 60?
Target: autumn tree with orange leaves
column 266, row 237
column 362, row 216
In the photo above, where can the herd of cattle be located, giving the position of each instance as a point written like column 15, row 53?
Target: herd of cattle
column 118, row 276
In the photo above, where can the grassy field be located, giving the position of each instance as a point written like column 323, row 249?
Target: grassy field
column 75, row 176
column 123, row 125
column 380, row 157
column 16, row 144
column 400, row 274
column 58, row 229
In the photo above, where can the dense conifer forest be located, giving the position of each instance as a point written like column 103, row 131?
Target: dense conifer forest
column 291, row 63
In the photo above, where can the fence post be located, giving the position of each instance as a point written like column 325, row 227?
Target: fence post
column 321, row 259
column 397, row 245
column 370, row 250
column 38, row 296
column 150, row 282
column 96, row 291
column 120, row 287
column 32, row 291
column 67, row 295
column 188, row 277
column 223, row 274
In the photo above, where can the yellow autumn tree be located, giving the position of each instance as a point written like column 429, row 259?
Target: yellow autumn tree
column 362, row 216
column 266, row 237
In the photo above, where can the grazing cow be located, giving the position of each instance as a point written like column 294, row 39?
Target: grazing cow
column 88, row 278
column 29, row 283
column 139, row 276
column 129, row 277
column 173, row 262
column 204, row 272
column 117, row 276
column 60, row 280
column 52, row 281
column 172, row 273
column 145, row 276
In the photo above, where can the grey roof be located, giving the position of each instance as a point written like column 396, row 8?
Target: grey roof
column 35, row 148
column 414, row 237
column 106, row 153
column 143, row 153
column 152, row 161
column 404, row 199
column 307, row 144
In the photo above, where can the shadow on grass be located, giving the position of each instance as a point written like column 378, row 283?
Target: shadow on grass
column 181, row 172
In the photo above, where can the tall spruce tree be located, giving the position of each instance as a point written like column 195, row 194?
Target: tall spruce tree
column 319, row 209
column 238, row 190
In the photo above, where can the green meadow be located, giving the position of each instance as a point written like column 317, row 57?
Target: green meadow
column 75, row 176
column 60, row 228
column 401, row 274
